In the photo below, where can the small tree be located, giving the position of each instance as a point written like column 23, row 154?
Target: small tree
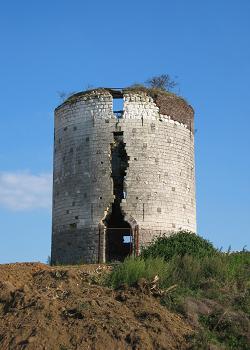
column 63, row 95
column 162, row 82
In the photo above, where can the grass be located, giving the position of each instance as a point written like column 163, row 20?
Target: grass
column 187, row 271
column 132, row 270
column 225, row 330
column 153, row 92
column 200, row 272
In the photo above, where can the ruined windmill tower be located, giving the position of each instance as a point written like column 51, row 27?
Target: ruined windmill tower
column 120, row 177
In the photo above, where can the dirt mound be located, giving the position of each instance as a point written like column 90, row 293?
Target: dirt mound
column 44, row 307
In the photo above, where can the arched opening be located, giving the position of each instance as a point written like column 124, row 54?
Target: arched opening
column 119, row 236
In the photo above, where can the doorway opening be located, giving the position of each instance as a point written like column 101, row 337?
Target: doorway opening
column 119, row 236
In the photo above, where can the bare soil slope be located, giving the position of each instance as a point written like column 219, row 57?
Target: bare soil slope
column 44, row 307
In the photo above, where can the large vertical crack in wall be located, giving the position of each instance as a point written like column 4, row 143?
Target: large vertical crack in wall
column 117, row 227
column 119, row 163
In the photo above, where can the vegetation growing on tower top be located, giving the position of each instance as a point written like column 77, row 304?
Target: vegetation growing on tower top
column 163, row 82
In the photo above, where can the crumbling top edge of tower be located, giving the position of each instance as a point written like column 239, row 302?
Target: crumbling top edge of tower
column 115, row 92
column 168, row 103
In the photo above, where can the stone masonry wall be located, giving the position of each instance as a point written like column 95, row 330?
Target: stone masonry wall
column 82, row 189
column 159, row 184
column 160, row 179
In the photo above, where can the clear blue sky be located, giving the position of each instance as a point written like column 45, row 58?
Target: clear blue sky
column 51, row 46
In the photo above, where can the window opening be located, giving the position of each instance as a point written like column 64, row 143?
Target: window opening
column 118, row 107
column 126, row 239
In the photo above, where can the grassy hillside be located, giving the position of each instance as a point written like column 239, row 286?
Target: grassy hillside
column 209, row 288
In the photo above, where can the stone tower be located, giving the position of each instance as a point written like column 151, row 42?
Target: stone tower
column 120, row 177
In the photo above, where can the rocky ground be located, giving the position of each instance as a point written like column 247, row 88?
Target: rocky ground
column 64, row 308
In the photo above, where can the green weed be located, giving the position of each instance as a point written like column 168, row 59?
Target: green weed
column 181, row 243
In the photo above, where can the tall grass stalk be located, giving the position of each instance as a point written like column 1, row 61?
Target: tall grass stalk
column 133, row 269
